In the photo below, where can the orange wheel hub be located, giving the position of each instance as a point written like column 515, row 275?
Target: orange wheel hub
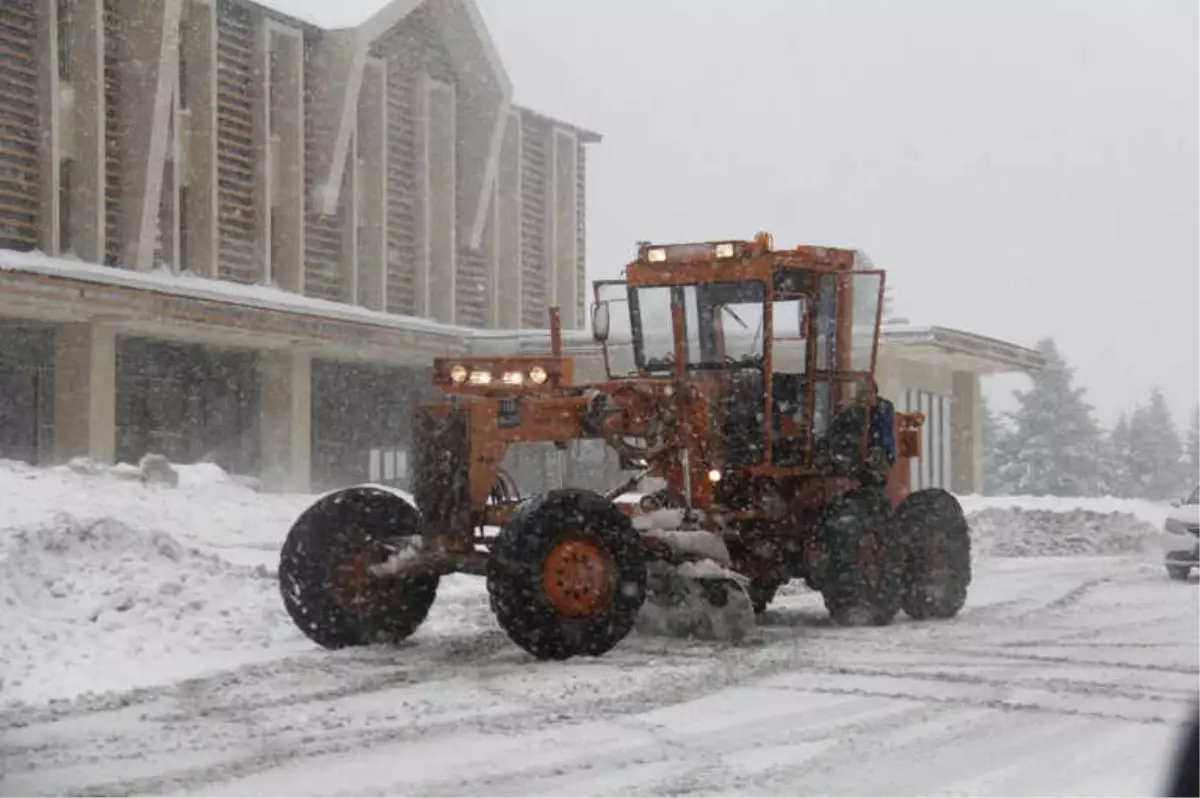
column 350, row 581
column 576, row 578
column 870, row 557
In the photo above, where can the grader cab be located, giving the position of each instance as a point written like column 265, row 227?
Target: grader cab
column 740, row 379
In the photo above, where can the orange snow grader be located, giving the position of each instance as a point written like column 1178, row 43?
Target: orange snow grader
column 740, row 380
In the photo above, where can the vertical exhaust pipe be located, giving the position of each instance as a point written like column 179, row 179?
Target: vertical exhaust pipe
column 556, row 340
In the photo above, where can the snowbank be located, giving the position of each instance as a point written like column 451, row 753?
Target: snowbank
column 1152, row 513
column 1020, row 532
column 90, row 603
column 109, row 580
column 1049, row 526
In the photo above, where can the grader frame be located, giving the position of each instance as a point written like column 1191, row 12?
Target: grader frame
column 770, row 475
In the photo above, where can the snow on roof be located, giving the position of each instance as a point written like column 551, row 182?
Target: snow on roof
column 977, row 347
column 328, row 14
column 186, row 285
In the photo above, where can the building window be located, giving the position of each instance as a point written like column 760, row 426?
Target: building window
column 183, row 228
column 65, row 170
column 62, row 32
column 181, row 82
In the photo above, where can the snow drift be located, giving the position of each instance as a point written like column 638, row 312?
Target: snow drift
column 110, row 579
column 1017, row 532
column 82, row 600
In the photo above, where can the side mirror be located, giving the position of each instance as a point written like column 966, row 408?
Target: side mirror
column 600, row 322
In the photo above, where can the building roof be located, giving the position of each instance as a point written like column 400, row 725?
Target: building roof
column 940, row 346
column 583, row 134
column 329, row 14
column 962, row 350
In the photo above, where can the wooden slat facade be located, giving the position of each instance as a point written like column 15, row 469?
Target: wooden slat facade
column 20, row 167
column 113, row 128
column 535, row 210
column 581, row 281
column 238, row 258
column 412, row 51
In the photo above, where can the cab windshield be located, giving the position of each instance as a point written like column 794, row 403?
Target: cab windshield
column 723, row 324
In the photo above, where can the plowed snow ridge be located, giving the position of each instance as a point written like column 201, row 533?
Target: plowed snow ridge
column 145, row 650
column 102, row 576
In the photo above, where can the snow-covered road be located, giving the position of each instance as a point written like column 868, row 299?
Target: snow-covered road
column 144, row 649
column 1062, row 676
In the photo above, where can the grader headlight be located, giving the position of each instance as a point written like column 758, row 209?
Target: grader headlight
column 657, row 255
column 458, row 374
column 724, row 251
column 513, row 378
column 480, row 377
column 538, row 375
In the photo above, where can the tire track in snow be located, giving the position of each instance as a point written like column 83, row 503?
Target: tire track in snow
column 224, row 715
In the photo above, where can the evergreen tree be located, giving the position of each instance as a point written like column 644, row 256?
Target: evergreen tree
column 1117, row 460
column 1155, row 450
column 995, row 453
column 1055, row 443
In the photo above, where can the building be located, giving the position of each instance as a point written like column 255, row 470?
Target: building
column 230, row 233
column 379, row 177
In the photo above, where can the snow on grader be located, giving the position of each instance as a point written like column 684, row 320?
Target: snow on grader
column 740, row 378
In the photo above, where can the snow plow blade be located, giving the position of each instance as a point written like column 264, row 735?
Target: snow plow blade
column 691, row 591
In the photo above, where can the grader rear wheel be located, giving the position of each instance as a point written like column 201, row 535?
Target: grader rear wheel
column 567, row 575
column 324, row 575
column 937, row 546
column 863, row 561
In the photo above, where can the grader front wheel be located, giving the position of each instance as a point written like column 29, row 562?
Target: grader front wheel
column 863, row 560
column 937, row 546
column 567, row 575
column 324, row 570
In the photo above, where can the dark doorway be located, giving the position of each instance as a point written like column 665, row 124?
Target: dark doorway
column 188, row 402
column 362, row 422
column 27, row 393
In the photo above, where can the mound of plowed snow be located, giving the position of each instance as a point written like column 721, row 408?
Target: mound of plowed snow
column 98, row 600
column 1018, row 532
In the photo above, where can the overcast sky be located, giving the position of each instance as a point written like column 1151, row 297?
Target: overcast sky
column 1022, row 169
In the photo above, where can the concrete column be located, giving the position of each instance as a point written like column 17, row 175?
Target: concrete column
column 564, row 216
column 347, row 217
column 85, row 392
column 287, row 162
column 264, row 167
column 149, row 66
column 198, row 120
column 372, row 182
column 509, row 269
column 286, row 412
column 437, row 259
column 50, row 121
column 966, row 434
column 490, row 248
column 85, row 70
column 339, row 57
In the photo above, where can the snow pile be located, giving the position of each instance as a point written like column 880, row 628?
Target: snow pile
column 120, row 576
column 1020, row 532
column 86, row 599
column 1152, row 513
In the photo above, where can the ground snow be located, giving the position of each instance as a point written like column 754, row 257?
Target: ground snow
column 107, row 582
column 145, row 650
column 86, row 602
